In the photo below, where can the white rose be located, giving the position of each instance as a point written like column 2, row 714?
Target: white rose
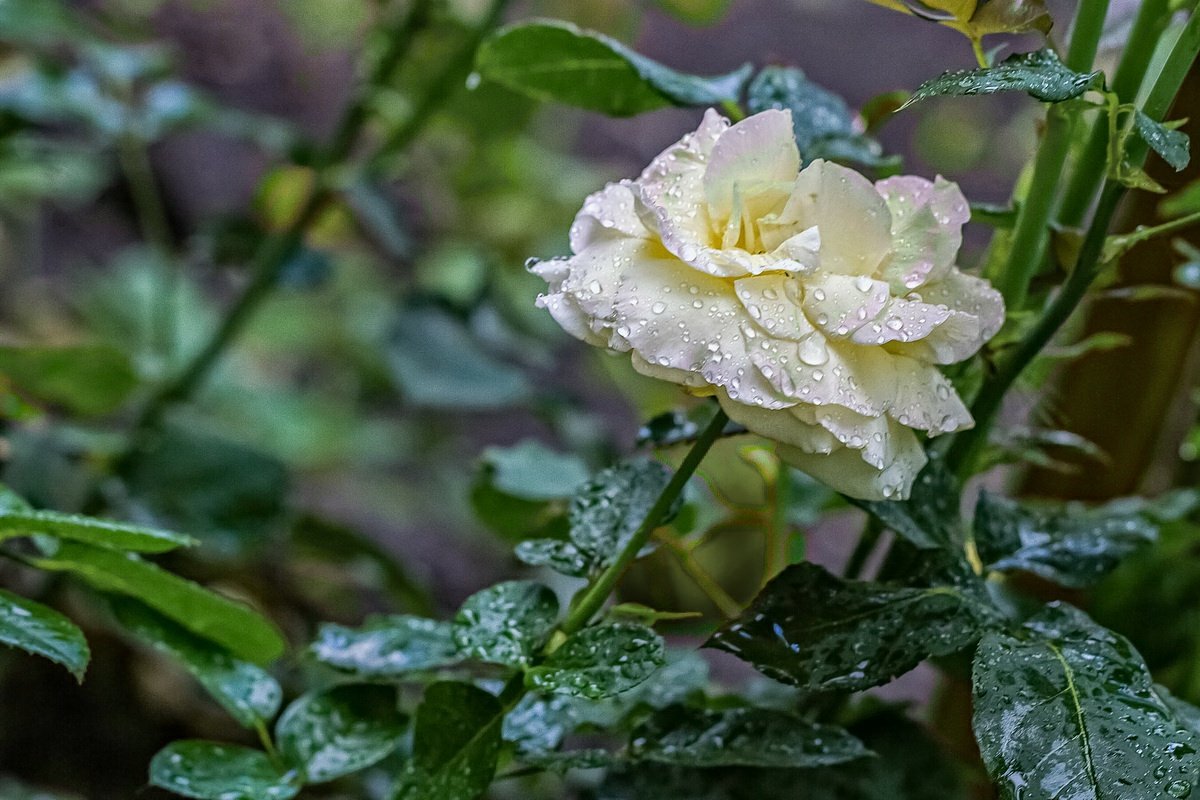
column 813, row 304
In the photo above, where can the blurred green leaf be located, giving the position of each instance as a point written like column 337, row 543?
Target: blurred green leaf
column 36, row 169
column 551, row 60
column 37, row 629
column 38, row 22
column 506, row 623
column 1173, row 145
column 1185, row 201
column 1067, row 703
column 814, row 630
column 456, row 744
column 340, row 731
column 531, row 471
column 600, row 661
column 1039, row 74
column 1073, row 548
column 226, row 622
column 386, row 647
column 751, row 737
column 211, row 771
column 101, row 532
column 85, row 379
column 438, row 364
column 696, row 12
column 245, row 690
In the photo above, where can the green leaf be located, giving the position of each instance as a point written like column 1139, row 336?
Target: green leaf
column 102, row 532
column 607, row 510
column 929, row 519
column 387, row 647
column 37, row 629
column 211, row 771
column 1068, row 709
column 237, row 627
column 245, row 690
column 84, row 379
column 560, row 556
column 750, row 737
column 339, row 731
column 825, row 126
column 1039, row 74
column 1074, row 549
column 696, row 12
column 1173, row 145
column 506, row 623
column 1185, row 201
column 556, row 61
column 600, row 661
column 531, row 471
column 821, row 633
column 455, row 745
column 438, row 363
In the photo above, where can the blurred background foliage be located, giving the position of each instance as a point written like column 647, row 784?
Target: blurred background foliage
column 399, row 413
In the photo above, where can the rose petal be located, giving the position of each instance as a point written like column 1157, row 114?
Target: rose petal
column 756, row 153
column 927, row 219
column 610, row 212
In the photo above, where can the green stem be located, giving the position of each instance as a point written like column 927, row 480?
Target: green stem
column 596, row 595
column 1144, row 233
column 1032, row 232
column 1151, row 20
column 862, row 551
column 268, row 262
column 965, row 448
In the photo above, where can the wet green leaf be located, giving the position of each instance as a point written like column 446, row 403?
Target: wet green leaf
column 211, row 771
column 930, row 518
column 607, row 510
column 556, row 61
column 600, row 661
column 85, row 379
column 42, row 631
column 1068, row 709
column 387, row 647
column 101, row 532
column 339, row 731
column 825, row 126
column 749, row 737
column 821, row 633
column 560, row 556
column 1173, row 145
column 237, row 627
column 1039, row 74
column 561, row 761
column 246, row 691
column 1072, row 548
column 506, row 623
column 455, row 745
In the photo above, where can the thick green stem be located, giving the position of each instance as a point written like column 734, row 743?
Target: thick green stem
column 596, row 595
column 1147, row 28
column 1032, row 233
column 965, row 448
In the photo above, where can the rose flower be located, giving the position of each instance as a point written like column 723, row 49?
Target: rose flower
column 814, row 305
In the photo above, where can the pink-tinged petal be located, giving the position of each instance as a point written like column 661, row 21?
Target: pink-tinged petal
column 610, row 212
column 973, row 311
column 927, row 219
column 758, row 152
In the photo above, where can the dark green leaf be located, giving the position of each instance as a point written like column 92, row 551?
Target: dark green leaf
column 1069, row 710
column 387, row 647
column 750, row 737
column 600, row 661
column 929, row 518
column 339, row 731
column 825, row 126
column 211, row 771
column 607, row 510
column 1075, row 549
column 42, row 631
column 532, row 471
column 560, row 556
column 102, row 532
column 1039, row 74
column 1173, row 145
column 437, row 363
column 822, row 633
column 246, row 691
column 556, row 61
column 539, row 724
column 561, row 761
column 85, row 379
column 1185, row 712
column 455, row 746
column 506, row 623
column 237, row 627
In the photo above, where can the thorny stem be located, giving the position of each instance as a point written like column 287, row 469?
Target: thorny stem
column 593, row 598
column 267, row 264
column 965, row 448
